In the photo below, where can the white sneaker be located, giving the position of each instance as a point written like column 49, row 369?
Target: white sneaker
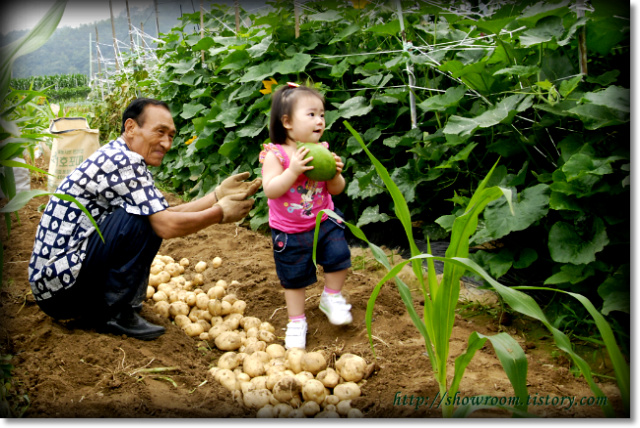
column 336, row 308
column 296, row 336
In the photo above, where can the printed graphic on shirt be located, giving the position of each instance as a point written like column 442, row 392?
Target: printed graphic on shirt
column 113, row 177
column 309, row 191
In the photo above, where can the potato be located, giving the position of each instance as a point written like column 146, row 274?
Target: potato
column 162, row 308
column 275, row 350
column 215, row 307
column 164, row 287
column 216, row 262
column 266, row 336
column 310, row 408
column 160, row 295
column 229, row 360
column 231, row 298
column 197, row 280
column 253, row 333
column 249, row 322
column 206, row 315
column 243, row 378
column 204, row 336
column 351, row 368
column 182, row 320
column 155, row 270
column 178, row 308
column 205, row 324
column 202, row 301
column 265, row 412
column 293, row 359
column 174, row 296
column 331, row 400
column 267, row 326
column 282, row 410
column 313, row 362
column 287, row 389
column 222, row 283
column 217, row 329
column 232, row 320
column 173, row 269
column 225, row 308
column 227, row 379
column 165, row 259
column 253, row 365
column 228, row 340
column 347, row 391
column 355, row 413
column 234, row 283
column 238, row 307
column 343, row 407
column 329, row 377
column 201, row 266
column 257, row 399
column 163, row 277
column 314, row 390
column 255, row 346
column 184, row 262
column 296, row 413
column 178, row 281
column 216, row 292
column 150, row 291
column 304, row 376
column 273, row 378
column 193, row 330
column 190, row 298
column 258, row 382
column 328, row 414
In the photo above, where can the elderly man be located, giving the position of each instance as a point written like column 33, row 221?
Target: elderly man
column 74, row 273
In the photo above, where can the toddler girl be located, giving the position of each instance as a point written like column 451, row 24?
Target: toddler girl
column 297, row 115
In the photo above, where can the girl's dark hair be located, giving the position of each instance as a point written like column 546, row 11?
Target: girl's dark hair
column 135, row 110
column 282, row 103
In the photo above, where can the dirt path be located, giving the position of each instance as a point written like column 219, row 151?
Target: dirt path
column 67, row 371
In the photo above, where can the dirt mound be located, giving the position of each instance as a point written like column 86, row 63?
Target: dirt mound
column 67, row 371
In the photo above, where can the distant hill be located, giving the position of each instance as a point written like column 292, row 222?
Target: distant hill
column 67, row 51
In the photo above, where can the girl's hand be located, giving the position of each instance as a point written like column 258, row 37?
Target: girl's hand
column 297, row 162
column 339, row 163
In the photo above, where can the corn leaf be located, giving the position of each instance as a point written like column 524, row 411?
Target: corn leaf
column 21, row 199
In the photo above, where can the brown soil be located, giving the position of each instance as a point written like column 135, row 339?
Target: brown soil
column 67, row 371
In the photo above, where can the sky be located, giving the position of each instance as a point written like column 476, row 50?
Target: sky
column 24, row 15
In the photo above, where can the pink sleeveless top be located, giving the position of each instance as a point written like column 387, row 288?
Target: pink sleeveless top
column 296, row 210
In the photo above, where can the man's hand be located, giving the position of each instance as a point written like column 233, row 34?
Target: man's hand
column 234, row 207
column 235, row 185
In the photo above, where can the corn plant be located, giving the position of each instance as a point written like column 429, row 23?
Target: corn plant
column 15, row 135
column 441, row 298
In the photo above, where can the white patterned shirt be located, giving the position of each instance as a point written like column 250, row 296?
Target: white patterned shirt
column 112, row 177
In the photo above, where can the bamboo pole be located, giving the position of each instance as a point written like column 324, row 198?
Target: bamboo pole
column 202, row 30
column 582, row 39
column 155, row 5
column 98, row 52
column 237, row 6
column 296, row 11
column 412, row 96
column 115, row 41
column 90, row 61
column 126, row 2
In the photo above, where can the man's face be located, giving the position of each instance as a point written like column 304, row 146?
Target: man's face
column 153, row 139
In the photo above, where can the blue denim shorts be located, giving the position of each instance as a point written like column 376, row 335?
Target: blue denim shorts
column 293, row 253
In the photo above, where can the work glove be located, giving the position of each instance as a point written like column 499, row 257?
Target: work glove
column 235, row 185
column 234, row 207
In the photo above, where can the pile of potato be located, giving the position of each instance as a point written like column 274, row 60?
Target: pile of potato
column 216, row 315
column 292, row 383
column 260, row 374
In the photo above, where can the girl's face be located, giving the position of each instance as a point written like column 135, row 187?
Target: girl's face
column 306, row 123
